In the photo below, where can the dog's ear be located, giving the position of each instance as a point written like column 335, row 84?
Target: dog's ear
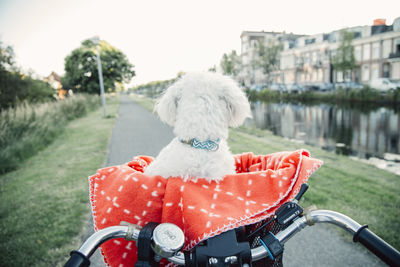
column 238, row 105
column 167, row 105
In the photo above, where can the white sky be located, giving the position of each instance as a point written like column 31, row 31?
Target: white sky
column 164, row 37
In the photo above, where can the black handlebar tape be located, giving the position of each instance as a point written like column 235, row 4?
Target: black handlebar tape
column 77, row 259
column 378, row 246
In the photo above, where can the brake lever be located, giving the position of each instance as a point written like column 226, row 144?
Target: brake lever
column 303, row 189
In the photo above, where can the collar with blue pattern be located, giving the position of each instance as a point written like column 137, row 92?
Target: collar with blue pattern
column 209, row 145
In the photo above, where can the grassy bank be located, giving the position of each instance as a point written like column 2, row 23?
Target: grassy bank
column 363, row 192
column 362, row 96
column 44, row 203
column 28, row 128
column 145, row 102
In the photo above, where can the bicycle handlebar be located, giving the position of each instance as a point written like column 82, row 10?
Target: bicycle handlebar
column 80, row 258
column 378, row 246
column 372, row 242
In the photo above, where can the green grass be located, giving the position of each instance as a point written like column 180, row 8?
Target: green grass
column 145, row 102
column 44, row 203
column 361, row 191
column 29, row 128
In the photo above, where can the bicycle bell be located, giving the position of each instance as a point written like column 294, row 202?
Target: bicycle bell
column 168, row 239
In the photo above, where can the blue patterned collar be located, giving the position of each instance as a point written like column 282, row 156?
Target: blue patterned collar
column 209, row 145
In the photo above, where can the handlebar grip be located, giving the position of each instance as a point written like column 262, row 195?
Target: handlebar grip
column 77, row 259
column 378, row 246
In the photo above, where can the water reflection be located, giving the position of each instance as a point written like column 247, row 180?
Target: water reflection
column 363, row 133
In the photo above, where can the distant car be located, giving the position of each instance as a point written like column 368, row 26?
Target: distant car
column 295, row 88
column 355, row 85
column 384, row 84
column 258, row 87
column 326, row 87
column 311, row 87
column 349, row 85
column 277, row 87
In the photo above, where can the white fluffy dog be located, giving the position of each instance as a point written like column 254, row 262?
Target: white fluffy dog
column 200, row 107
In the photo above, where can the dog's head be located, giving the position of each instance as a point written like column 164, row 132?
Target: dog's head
column 203, row 105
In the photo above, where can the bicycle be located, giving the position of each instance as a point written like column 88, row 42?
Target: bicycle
column 260, row 244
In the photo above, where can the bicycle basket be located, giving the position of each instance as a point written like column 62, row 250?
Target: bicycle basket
column 254, row 239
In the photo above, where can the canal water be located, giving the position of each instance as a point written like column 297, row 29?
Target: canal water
column 357, row 131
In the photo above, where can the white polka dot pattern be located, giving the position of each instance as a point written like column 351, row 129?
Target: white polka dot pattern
column 201, row 209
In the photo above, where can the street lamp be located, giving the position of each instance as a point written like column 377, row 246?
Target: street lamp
column 96, row 41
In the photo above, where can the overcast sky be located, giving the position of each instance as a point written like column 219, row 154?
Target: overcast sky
column 164, row 37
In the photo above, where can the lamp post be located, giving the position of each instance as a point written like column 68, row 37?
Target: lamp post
column 96, row 41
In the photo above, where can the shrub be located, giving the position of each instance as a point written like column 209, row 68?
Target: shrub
column 28, row 128
column 341, row 95
column 16, row 87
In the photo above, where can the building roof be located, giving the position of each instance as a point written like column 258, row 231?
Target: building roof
column 55, row 76
column 259, row 33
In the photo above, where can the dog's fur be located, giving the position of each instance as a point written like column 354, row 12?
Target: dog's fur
column 202, row 106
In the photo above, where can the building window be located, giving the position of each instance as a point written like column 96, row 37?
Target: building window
column 357, row 74
column 366, row 52
column 309, row 41
column 333, row 53
column 386, row 47
column 320, row 75
column 314, row 57
column 386, row 70
column 375, row 50
column 307, row 58
column 357, row 53
column 326, row 75
column 374, row 71
column 339, row 76
column 365, row 73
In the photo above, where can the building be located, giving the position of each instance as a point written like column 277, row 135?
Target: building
column 307, row 59
column 249, row 40
column 55, row 81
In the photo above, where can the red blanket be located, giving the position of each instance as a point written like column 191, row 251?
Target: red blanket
column 201, row 209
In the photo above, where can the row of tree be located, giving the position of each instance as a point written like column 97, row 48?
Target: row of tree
column 154, row 88
column 266, row 57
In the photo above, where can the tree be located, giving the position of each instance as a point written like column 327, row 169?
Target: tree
column 212, row 69
column 155, row 88
column 81, row 72
column 344, row 59
column 6, row 57
column 16, row 86
column 230, row 63
column 266, row 57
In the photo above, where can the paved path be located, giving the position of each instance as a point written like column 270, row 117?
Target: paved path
column 136, row 132
column 139, row 132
